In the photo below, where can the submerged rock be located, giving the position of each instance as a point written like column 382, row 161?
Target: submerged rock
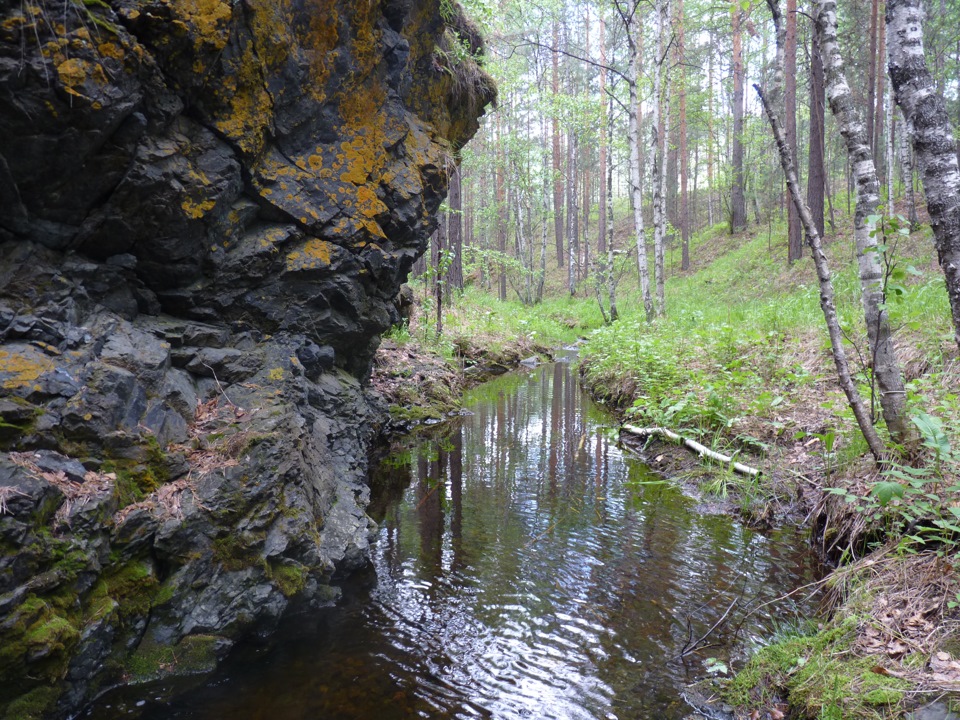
column 206, row 212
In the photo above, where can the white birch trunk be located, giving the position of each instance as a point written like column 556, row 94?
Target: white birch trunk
column 933, row 142
column 636, row 190
column 891, row 207
column 886, row 368
column 611, row 278
column 656, row 158
column 905, row 154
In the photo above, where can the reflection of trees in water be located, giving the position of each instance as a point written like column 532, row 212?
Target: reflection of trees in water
column 536, row 546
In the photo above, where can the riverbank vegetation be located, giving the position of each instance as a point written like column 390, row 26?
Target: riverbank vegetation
column 628, row 195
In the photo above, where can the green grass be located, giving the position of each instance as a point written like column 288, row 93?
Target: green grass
column 744, row 335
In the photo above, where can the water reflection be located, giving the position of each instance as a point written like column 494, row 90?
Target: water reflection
column 527, row 570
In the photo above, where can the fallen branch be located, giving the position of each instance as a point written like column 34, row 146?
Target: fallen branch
column 701, row 450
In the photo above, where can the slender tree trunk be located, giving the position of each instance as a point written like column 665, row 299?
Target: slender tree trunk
column 572, row 218
column 684, row 150
column 455, row 232
column 611, row 276
column 886, row 368
column 794, row 240
column 879, row 114
column 710, row 130
column 933, row 143
column 889, row 145
column 602, row 215
column 636, row 190
column 816, row 172
column 542, row 274
column 438, row 283
column 906, row 168
column 827, row 303
column 583, row 247
column 557, row 152
column 871, row 70
column 503, row 213
column 657, row 147
column 660, row 237
column 738, row 201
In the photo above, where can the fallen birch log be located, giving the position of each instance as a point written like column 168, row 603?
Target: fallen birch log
column 701, row 450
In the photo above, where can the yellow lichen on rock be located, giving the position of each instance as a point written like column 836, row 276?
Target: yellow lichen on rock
column 197, row 210
column 209, row 19
column 368, row 204
column 313, row 255
column 22, row 366
column 75, row 72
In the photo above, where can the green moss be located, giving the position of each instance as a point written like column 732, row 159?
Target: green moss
column 819, row 676
column 134, row 587
column 37, row 633
column 34, row 705
column 164, row 594
column 236, row 552
column 290, row 578
column 193, row 655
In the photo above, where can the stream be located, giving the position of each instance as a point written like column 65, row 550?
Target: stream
column 526, row 567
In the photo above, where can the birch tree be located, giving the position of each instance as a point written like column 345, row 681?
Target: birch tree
column 658, row 134
column 929, row 127
column 631, row 23
column 738, row 200
column 886, row 368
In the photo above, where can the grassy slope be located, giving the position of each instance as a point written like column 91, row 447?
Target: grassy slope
column 741, row 362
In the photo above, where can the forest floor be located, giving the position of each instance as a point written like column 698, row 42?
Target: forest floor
column 740, row 363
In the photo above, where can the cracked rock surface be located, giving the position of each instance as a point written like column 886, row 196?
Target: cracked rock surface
column 206, row 210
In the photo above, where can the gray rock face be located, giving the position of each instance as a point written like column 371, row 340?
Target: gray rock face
column 206, row 211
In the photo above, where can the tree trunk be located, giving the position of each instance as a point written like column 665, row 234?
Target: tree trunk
column 794, row 240
column 710, row 131
column 929, row 127
column 878, row 115
column 906, row 168
column 572, row 218
column 738, row 201
column 439, row 248
column 602, row 215
column 886, row 368
column 889, row 145
column 636, row 190
column 871, row 70
column 684, row 151
column 503, row 214
column 455, row 232
column 816, row 172
column 657, row 148
column 611, row 275
column 660, row 235
column 827, row 303
column 557, row 152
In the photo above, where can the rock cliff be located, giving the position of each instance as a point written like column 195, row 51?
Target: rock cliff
column 206, row 209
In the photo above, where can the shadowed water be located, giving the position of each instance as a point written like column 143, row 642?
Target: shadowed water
column 525, row 568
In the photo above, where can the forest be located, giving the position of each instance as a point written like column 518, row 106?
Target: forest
column 746, row 217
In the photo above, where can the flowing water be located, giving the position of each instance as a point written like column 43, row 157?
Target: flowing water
column 526, row 567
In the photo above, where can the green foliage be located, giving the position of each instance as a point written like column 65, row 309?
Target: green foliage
column 918, row 504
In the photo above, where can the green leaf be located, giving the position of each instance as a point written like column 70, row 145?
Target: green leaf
column 885, row 491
